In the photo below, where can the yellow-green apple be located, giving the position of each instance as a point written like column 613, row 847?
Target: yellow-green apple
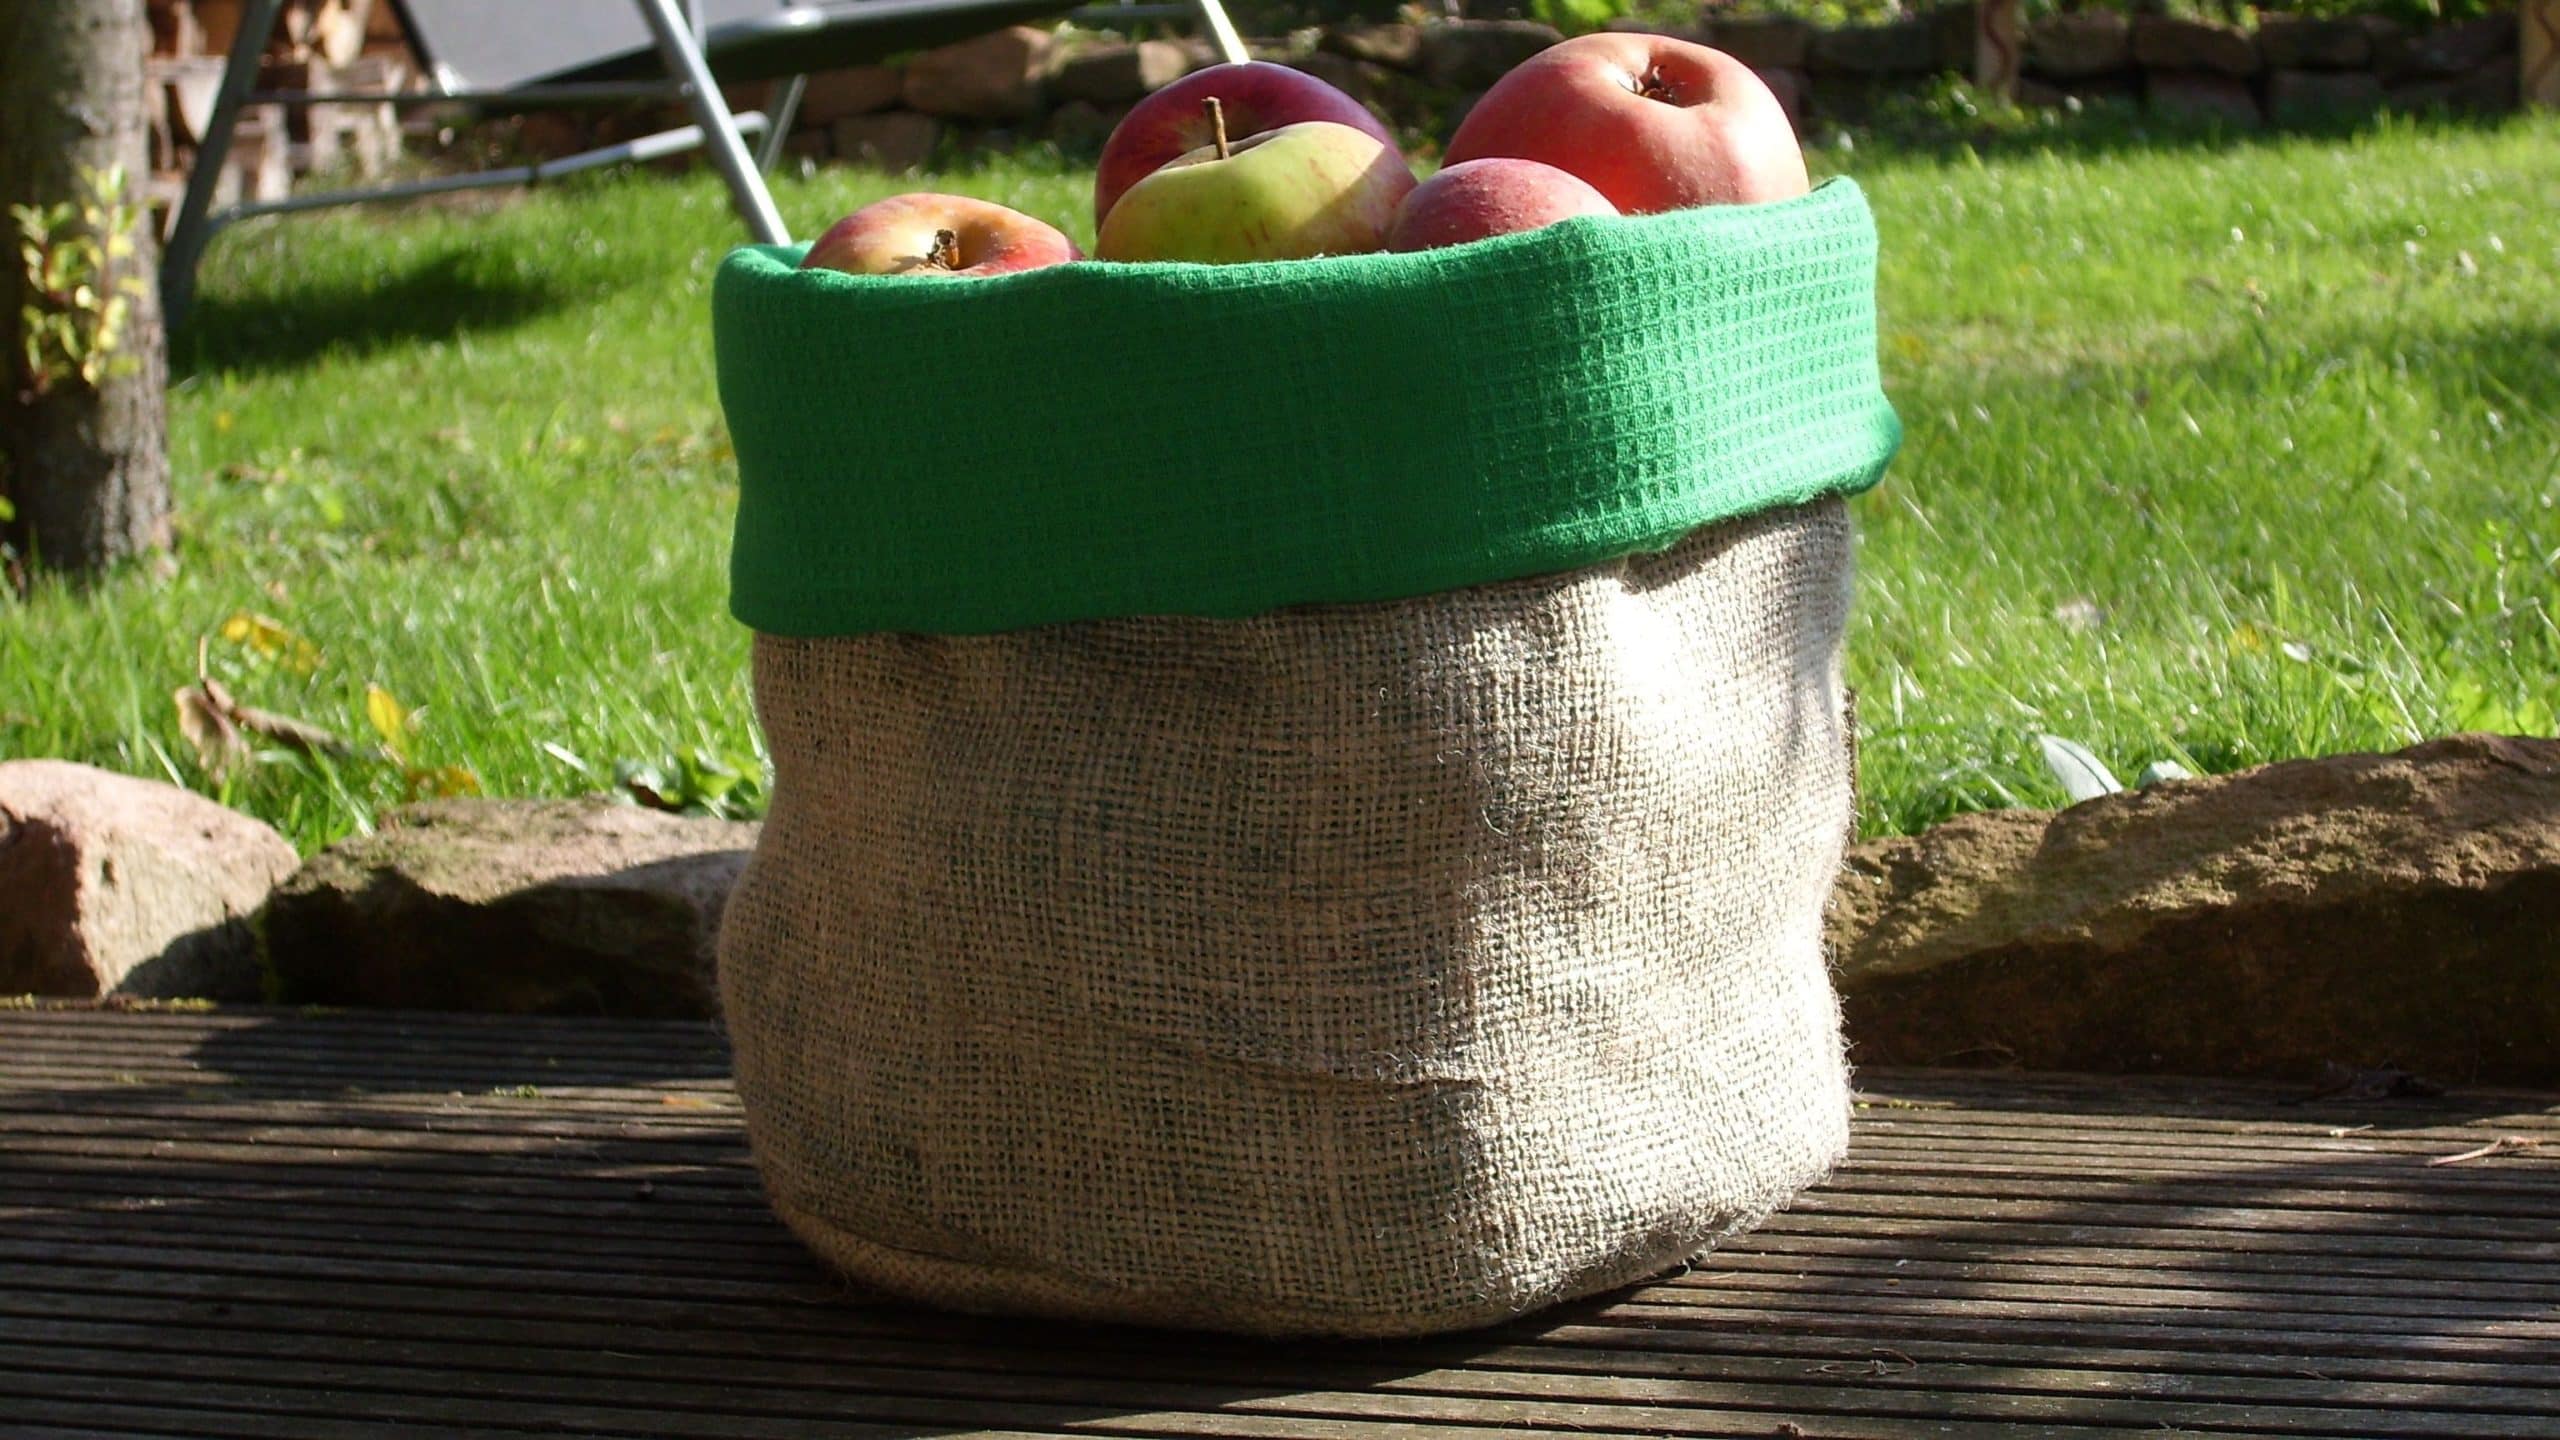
column 1497, row 195
column 1652, row 121
column 938, row 235
column 1313, row 188
column 1255, row 96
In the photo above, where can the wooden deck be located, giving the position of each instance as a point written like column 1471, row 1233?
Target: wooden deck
column 262, row 1224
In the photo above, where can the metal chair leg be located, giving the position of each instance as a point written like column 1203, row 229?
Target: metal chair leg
column 191, row 227
column 786, row 113
column 1223, row 31
column 683, row 55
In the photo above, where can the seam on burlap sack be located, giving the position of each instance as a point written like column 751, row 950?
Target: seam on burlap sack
column 1357, row 970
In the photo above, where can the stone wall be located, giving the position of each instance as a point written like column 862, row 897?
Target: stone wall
column 1072, row 87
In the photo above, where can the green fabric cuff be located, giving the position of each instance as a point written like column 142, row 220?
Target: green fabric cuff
column 1096, row 439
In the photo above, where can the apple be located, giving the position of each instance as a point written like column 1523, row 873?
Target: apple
column 1496, row 195
column 938, row 235
column 1255, row 96
column 1312, row 188
column 1652, row 121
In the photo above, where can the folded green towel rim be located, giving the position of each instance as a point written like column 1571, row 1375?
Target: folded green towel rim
column 1095, row 440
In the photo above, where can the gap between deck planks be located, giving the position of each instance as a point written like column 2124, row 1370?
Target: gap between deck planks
column 265, row 1223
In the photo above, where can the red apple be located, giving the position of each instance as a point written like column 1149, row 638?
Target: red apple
column 1171, row 123
column 938, row 235
column 1493, row 196
column 1653, row 122
column 1313, row 188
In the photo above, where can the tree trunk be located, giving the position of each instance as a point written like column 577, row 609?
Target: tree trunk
column 86, row 468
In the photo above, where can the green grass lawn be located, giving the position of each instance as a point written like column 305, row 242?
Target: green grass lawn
column 2220, row 454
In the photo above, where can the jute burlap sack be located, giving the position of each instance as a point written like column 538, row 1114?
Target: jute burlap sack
column 1361, row 969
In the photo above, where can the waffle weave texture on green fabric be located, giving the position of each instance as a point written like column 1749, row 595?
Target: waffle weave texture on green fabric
column 1094, row 440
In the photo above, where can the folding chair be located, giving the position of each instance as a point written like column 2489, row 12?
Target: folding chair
column 511, row 55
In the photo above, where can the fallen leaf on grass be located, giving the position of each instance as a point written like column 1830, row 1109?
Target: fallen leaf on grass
column 271, row 639
column 439, row 781
column 218, row 726
column 390, row 720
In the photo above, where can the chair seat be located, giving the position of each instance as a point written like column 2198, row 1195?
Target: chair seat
column 806, row 38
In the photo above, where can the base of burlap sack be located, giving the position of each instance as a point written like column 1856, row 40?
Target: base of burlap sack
column 1352, row 970
column 980, row 1288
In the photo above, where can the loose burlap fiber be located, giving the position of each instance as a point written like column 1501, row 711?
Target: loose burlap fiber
column 1356, row 970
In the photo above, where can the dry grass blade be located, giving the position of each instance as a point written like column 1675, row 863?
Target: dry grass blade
column 2503, row 1145
column 293, row 734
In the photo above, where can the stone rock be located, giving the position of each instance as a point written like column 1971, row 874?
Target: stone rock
column 2291, row 42
column 2490, row 89
column 1339, row 71
column 516, row 907
column 1900, row 47
column 1398, row 47
column 1202, row 51
column 1766, row 42
column 2036, row 94
column 1286, row 49
column 2203, row 95
column 1951, row 30
column 2163, row 43
column 1472, row 54
column 995, row 76
column 1639, row 25
column 1790, row 87
column 2314, row 97
column 2461, row 48
column 1115, row 74
column 2362, row 909
column 111, row 885
column 1081, row 125
column 834, row 94
column 2389, row 40
column 894, row 141
column 2079, row 44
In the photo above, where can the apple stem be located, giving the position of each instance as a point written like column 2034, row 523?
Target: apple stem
column 946, row 249
column 1217, row 123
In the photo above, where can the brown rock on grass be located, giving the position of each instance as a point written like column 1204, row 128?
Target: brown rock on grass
column 111, row 885
column 995, row 76
column 859, row 90
column 2398, row 909
column 1769, row 42
column 2203, row 95
column 2161, row 42
column 894, row 141
column 1899, row 47
column 1472, row 54
column 519, row 907
column 2078, row 45
column 1118, row 72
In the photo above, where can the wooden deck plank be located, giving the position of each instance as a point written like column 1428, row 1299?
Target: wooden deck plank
column 266, row 1223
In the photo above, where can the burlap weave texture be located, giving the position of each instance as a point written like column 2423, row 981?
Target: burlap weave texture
column 1362, row 970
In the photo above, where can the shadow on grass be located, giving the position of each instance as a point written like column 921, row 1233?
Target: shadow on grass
column 293, row 322
column 1896, row 123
